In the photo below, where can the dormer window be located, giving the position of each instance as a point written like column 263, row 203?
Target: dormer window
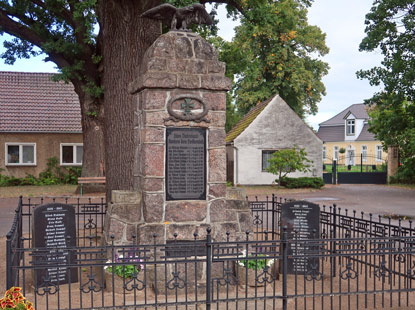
column 350, row 127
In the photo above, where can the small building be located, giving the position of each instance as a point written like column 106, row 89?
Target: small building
column 349, row 130
column 270, row 126
column 39, row 119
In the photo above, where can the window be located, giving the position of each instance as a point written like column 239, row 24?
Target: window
column 364, row 152
column 336, row 153
column 350, row 127
column 71, row 154
column 21, row 154
column 378, row 152
column 266, row 155
column 324, row 152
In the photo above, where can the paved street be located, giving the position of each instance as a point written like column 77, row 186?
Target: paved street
column 376, row 199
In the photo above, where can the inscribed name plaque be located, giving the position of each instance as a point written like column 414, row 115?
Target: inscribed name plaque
column 302, row 220
column 53, row 232
column 185, row 164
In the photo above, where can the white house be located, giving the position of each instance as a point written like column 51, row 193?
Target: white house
column 270, row 126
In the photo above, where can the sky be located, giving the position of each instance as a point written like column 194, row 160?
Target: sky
column 341, row 20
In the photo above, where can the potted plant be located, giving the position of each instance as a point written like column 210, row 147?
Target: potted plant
column 255, row 272
column 123, row 275
column 14, row 299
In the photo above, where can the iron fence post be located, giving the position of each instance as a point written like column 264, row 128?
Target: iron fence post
column 333, row 243
column 284, row 244
column 273, row 215
column 9, row 281
column 208, row 268
column 334, row 172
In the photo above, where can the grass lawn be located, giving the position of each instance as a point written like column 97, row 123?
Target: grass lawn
column 37, row 191
column 366, row 168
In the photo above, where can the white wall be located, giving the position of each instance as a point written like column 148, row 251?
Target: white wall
column 277, row 127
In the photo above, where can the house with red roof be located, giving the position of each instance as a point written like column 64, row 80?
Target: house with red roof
column 268, row 127
column 39, row 119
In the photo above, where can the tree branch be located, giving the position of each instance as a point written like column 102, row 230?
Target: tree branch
column 230, row 2
column 25, row 33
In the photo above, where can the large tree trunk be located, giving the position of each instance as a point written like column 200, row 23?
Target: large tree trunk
column 93, row 137
column 125, row 38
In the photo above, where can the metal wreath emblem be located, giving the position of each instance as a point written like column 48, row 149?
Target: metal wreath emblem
column 187, row 108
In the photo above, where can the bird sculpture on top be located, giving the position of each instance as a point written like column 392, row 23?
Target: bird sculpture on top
column 179, row 18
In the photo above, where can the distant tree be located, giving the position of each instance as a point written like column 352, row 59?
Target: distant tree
column 287, row 161
column 390, row 30
column 276, row 51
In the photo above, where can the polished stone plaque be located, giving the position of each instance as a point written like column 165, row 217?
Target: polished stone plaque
column 302, row 220
column 54, row 234
column 185, row 164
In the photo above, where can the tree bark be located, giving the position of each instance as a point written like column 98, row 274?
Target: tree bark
column 125, row 37
column 93, row 136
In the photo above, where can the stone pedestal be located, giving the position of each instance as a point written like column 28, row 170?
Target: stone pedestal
column 180, row 87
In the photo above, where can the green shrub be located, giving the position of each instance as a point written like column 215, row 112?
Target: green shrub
column 304, row 182
column 53, row 174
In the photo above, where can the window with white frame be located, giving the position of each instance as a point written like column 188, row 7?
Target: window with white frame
column 71, row 154
column 336, row 153
column 379, row 152
column 364, row 152
column 324, row 152
column 20, row 154
column 350, row 127
column 266, row 155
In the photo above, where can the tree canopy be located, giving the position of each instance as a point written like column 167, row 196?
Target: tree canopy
column 390, row 29
column 275, row 50
column 98, row 45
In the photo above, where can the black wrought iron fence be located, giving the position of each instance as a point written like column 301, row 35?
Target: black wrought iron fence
column 334, row 221
column 347, row 273
column 357, row 261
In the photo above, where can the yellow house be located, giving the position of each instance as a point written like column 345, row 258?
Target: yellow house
column 346, row 138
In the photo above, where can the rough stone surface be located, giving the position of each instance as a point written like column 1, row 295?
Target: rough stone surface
column 220, row 213
column 216, row 82
column 204, row 50
column 216, row 100
column 125, row 212
column 154, row 100
column 217, row 165
column 153, row 135
column 179, row 63
column 153, row 207
column 159, row 79
column 217, row 137
column 151, row 233
column 116, row 229
column 119, row 196
column 186, row 211
column 217, row 190
column 189, row 81
column 245, row 221
column 183, row 48
column 153, row 184
column 153, row 157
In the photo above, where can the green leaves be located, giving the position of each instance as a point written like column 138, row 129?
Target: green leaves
column 274, row 52
column 286, row 161
column 390, row 29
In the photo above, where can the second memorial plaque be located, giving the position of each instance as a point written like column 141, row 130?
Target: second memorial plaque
column 186, row 164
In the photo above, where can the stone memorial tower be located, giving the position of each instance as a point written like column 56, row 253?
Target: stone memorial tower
column 180, row 170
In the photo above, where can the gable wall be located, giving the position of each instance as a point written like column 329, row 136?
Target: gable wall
column 47, row 145
column 277, row 127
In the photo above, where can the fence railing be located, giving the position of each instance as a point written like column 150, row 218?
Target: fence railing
column 358, row 261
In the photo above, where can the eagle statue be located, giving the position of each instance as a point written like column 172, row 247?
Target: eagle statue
column 179, row 18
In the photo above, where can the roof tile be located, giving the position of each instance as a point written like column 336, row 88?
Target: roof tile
column 32, row 102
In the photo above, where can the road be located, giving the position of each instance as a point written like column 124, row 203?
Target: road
column 376, row 199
